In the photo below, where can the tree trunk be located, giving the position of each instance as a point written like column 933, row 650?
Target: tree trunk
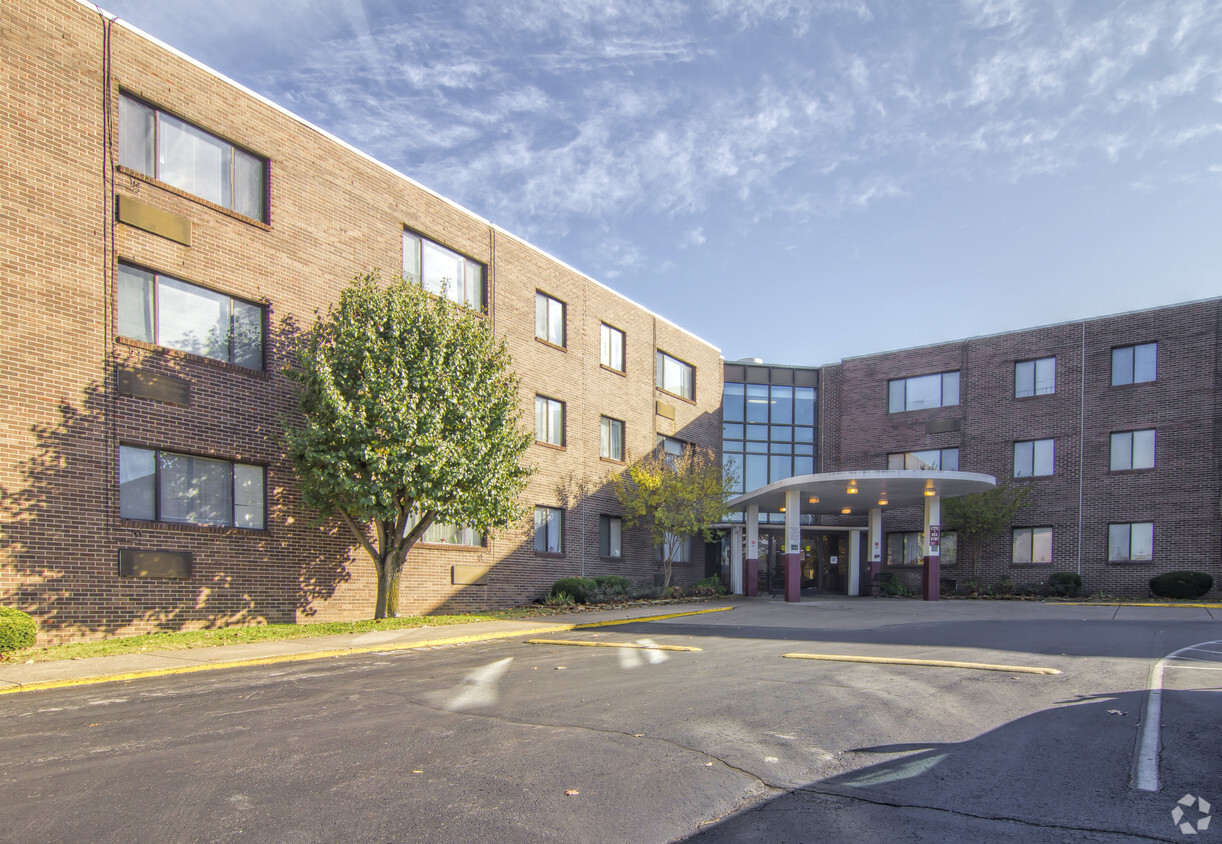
column 388, row 590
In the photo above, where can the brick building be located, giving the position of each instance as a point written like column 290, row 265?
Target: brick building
column 166, row 235
column 1111, row 422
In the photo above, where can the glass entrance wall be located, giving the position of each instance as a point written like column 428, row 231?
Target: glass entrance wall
column 769, row 427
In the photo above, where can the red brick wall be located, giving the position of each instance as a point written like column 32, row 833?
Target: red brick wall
column 332, row 214
column 1180, row 495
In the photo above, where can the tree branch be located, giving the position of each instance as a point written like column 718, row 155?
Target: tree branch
column 362, row 537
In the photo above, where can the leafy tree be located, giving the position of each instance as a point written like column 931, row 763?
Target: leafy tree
column 411, row 416
column 980, row 517
column 678, row 494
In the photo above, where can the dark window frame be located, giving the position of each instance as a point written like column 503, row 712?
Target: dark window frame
column 453, row 291
column 158, row 111
column 1019, row 390
column 157, row 488
column 660, row 359
column 155, row 315
column 546, row 338
column 548, row 417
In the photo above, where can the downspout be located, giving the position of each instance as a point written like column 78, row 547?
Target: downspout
column 1081, row 444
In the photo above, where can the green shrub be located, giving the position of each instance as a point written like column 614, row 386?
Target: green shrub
column 580, row 588
column 708, row 587
column 1181, row 584
column 559, row 599
column 613, row 582
column 17, row 630
column 1066, row 583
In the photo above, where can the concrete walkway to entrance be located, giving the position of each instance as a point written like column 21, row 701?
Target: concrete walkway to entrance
column 17, row 677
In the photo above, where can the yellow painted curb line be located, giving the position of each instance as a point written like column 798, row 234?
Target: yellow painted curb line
column 1127, row 604
column 939, row 663
column 271, row 660
column 637, row 645
column 648, row 618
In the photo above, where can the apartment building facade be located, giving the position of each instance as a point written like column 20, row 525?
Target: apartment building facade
column 167, row 236
column 1111, row 423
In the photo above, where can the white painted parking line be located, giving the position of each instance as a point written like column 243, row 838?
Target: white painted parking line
column 1145, row 772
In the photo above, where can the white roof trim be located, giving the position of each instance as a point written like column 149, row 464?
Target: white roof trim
column 256, row 95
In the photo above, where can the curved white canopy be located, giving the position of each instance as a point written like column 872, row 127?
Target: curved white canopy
column 830, row 490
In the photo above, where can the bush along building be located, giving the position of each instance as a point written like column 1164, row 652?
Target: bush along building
column 168, row 236
column 1110, row 424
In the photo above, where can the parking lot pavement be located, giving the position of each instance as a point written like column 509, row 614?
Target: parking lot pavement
column 529, row 742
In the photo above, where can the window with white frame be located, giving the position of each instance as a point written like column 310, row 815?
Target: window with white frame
column 1031, row 545
column 549, row 420
column 443, row 271
column 1132, row 450
column 610, row 536
column 164, row 486
column 610, row 438
column 549, row 319
column 1033, row 458
column 168, row 312
column 936, row 459
column 1134, row 364
column 549, row 530
column 1035, row 377
column 938, row 390
column 677, row 377
column 1130, row 541
column 611, row 347
column 173, row 151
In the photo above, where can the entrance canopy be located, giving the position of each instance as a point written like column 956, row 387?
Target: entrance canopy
column 830, row 493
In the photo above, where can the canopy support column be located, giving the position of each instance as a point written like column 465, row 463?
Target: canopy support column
column 931, row 577
column 736, row 560
column 793, row 545
column 854, row 562
column 875, row 540
column 751, row 571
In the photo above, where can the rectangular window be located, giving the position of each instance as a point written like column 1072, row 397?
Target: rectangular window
column 680, row 547
column 679, row 378
column 549, row 420
column 1035, row 377
column 610, row 536
column 439, row 533
column 162, row 310
column 937, row 390
column 549, row 530
column 1031, row 545
column 1130, row 541
column 549, row 319
column 610, row 438
column 1134, row 364
column 442, row 271
column 1033, row 458
column 610, row 347
column 173, row 151
column 936, row 460
column 670, row 445
column 162, row 486
column 732, row 403
column 908, row 548
column 1132, row 450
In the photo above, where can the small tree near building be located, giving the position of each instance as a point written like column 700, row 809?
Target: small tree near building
column 411, row 416
column 980, row 517
column 679, row 495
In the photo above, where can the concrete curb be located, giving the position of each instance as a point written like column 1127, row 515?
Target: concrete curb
column 1132, row 604
column 336, row 652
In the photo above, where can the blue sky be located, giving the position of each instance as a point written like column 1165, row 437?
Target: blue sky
column 797, row 181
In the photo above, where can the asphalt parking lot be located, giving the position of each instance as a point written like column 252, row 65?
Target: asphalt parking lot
column 702, row 729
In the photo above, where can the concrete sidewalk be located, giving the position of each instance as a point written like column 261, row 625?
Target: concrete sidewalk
column 21, row 677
